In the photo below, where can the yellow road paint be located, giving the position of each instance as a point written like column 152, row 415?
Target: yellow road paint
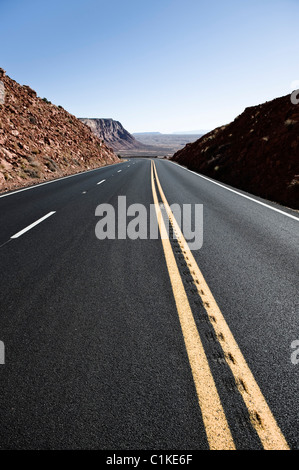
column 216, row 426
column 260, row 414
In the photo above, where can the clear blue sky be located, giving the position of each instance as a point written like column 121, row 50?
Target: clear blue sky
column 157, row 65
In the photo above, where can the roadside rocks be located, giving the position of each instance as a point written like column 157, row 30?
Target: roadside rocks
column 39, row 140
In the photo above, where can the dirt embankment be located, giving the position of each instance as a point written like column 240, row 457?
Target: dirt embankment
column 258, row 152
column 41, row 141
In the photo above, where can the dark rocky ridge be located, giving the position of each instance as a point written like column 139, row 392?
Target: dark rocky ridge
column 40, row 141
column 258, row 152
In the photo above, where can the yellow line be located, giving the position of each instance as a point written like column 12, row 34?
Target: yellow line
column 216, row 426
column 260, row 414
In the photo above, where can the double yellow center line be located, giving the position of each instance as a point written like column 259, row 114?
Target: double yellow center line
column 217, row 429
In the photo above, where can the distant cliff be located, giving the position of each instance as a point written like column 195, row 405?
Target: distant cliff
column 40, row 141
column 140, row 144
column 113, row 134
column 258, row 152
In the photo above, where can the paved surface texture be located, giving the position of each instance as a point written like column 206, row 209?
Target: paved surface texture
column 95, row 354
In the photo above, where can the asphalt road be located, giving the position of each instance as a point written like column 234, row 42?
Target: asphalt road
column 97, row 353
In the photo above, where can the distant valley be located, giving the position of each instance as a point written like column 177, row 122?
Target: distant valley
column 150, row 144
column 167, row 144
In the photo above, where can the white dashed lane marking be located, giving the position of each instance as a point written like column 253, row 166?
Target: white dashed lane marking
column 19, row 234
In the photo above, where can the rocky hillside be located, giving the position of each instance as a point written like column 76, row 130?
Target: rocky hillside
column 40, row 141
column 113, row 133
column 258, row 152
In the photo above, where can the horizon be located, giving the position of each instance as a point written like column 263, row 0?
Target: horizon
column 155, row 67
column 193, row 132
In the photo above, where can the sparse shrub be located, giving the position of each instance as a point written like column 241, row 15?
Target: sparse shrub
column 293, row 191
column 32, row 173
column 294, row 185
column 51, row 164
column 75, row 161
column 290, row 123
column 46, row 101
column 33, row 120
column 29, row 158
column 35, row 164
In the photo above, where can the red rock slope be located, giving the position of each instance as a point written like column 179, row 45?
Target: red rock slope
column 41, row 141
column 258, row 152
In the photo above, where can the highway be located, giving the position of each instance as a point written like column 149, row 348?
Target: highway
column 146, row 344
